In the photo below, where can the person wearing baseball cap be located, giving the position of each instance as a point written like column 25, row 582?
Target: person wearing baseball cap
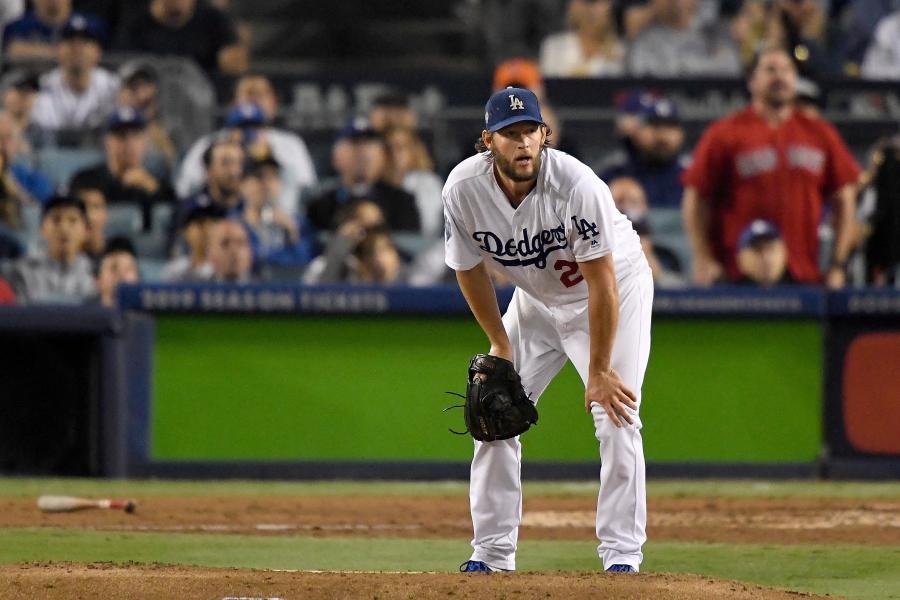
column 122, row 177
column 762, row 255
column 584, row 288
column 32, row 36
column 78, row 94
column 652, row 152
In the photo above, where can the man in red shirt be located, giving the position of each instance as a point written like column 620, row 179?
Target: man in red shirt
column 769, row 161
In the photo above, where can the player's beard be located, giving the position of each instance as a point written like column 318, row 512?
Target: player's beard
column 509, row 168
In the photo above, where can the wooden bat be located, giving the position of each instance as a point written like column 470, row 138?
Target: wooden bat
column 70, row 503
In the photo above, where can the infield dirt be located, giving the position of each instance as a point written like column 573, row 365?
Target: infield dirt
column 732, row 520
column 763, row 520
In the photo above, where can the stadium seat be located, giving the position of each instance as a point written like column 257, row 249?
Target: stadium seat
column 124, row 219
column 151, row 269
column 60, row 164
column 665, row 221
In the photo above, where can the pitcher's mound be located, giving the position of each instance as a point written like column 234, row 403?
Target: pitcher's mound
column 67, row 580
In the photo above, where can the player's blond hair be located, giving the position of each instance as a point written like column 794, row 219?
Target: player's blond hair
column 481, row 147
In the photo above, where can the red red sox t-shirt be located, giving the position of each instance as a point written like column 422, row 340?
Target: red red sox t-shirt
column 748, row 169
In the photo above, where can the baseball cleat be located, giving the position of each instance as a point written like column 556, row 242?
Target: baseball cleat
column 621, row 569
column 474, row 566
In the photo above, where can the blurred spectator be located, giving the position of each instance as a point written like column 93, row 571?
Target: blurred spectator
column 853, row 25
column 770, row 161
column 19, row 91
column 750, row 28
column 255, row 88
column 392, row 110
column 799, row 27
column 653, row 154
column 589, row 48
column 354, row 222
column 637, row 15
column 360, row 158
column 194, row 231
column 883, row 244
column 190, row 28
column 123, row 178
column 630, row 108
column 229, row 253
column 276, row 236
column 224, row 161
column 411, row 168
column 10, row 10
column 62, row 273
column 262, row 139
column 33, row 36
column 30, row 180
column 882, row 59
column 512, row 27
column 140, row 91
column 77, row 94
column 631, row 201
column 676, row 43
column 97, row 216
column 762, row 255
column 118, row 264
column 378, row 261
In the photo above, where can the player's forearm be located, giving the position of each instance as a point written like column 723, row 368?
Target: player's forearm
column 603, row 311
column 695, row 214
column 478, row 291
column 844, row 223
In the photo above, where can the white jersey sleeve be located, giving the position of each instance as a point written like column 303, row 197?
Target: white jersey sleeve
column 591, row 219
column 460, row 251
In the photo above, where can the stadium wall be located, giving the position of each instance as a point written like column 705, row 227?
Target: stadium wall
column 299, row 382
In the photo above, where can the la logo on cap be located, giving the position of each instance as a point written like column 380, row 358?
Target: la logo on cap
column 515, row 103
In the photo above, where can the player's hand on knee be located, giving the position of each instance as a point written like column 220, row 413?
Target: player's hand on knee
column 608, row 391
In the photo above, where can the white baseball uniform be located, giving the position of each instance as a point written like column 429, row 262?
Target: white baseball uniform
column 568, row 217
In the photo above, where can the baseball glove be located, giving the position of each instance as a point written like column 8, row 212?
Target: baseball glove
column 497, row 407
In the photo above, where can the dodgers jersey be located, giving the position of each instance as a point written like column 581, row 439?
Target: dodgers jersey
column 568, row 217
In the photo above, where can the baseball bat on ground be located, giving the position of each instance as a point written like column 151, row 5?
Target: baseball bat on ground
column 70, row 503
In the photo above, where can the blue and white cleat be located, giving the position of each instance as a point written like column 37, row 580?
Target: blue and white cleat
column 621, row 569
column 474, row 566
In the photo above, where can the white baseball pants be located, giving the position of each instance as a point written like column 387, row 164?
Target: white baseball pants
column 542, row 339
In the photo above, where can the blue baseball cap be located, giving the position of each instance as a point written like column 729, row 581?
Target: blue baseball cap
column 661, row 110
column 757, row 231
column 80, row 26
column 358, row 128
column 125, row 118
column 511, row 105
column 245, row 115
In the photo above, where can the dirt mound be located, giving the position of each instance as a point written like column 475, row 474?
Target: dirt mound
column 69, row 581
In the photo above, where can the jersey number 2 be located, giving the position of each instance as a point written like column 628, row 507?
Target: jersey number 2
column 570, row 275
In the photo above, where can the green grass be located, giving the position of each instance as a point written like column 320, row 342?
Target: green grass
column 852, row 571
column 12, row 486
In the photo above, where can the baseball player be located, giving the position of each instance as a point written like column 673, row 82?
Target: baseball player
column 583, row 292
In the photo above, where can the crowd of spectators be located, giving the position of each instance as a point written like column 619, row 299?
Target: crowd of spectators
column 246, row 202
